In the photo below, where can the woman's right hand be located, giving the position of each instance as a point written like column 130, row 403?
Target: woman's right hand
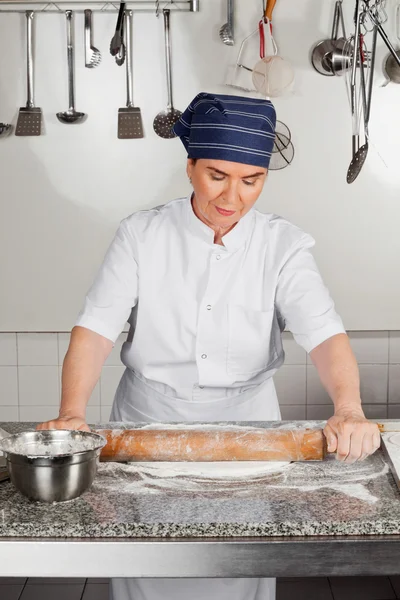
column 70, row 422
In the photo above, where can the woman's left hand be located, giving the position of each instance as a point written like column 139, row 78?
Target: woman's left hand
column 351, row 435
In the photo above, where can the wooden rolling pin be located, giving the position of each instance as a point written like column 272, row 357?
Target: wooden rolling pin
column 213, row 444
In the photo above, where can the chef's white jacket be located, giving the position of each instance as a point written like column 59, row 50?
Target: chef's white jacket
column 205, row 318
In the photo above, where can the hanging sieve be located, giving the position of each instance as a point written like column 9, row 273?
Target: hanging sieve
column 283, row 149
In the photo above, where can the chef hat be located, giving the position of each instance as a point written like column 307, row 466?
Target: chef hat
column 232, row 128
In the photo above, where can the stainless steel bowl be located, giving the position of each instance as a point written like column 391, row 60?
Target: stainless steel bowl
column 52, row 466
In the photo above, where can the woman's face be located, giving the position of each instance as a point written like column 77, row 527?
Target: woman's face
column 224, row 191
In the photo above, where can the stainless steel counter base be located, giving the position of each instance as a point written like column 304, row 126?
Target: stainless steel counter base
column 234, row 557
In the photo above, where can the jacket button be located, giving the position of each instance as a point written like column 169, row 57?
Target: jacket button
column 208, row 307
column 204, row 356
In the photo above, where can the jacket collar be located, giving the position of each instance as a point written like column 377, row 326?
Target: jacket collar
column 233, row 240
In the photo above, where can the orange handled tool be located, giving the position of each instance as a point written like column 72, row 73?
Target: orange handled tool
column 269, row 9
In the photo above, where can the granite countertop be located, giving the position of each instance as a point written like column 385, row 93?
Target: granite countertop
column 136, row 500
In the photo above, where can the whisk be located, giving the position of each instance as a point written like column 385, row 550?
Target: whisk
column 92, row 54
column 5, row 129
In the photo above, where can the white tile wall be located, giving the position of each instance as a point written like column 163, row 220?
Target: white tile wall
column 36, row 349
column 374, row 383
column 93, row 414
column 290, row 383
column 394, row 411
column 38, row 386
column 30, row 377
column 105, row 412
column 37, row 413
column 394, row 347
column 316, row 394
column 370, row 347
column 9, row 413
column 63, row 343
column 9, row 386
column 110, row 378
column 319, row 411
column 293, row 413
column 394, row 384
column 294, row 354
column 8, row 349
column 375, row 411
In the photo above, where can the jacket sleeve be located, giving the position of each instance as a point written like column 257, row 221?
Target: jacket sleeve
column 303, row 299
column 114, row 292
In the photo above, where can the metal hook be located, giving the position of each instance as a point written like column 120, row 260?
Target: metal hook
column 170, row 2
column 51, row 5
column 106, row 6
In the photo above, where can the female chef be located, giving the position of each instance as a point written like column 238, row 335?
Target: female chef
column 208, row 283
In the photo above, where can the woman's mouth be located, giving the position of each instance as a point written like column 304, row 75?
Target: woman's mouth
column 225, row 213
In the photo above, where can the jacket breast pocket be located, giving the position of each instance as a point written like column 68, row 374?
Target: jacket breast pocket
column 251, row 346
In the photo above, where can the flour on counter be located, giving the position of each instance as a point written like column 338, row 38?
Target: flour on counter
column 241, row 479
column 213, row 470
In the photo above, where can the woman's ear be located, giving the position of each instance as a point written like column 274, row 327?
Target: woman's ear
column 189, row 168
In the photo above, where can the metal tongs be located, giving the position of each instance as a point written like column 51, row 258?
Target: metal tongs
column 117, row 47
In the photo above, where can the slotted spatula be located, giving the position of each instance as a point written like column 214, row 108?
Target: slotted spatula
column 29, row 118
column 130, row 125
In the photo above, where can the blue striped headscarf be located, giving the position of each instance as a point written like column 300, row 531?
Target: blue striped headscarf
column 232, row 128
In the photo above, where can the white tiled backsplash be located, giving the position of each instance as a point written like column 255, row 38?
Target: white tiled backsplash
column 30, row 378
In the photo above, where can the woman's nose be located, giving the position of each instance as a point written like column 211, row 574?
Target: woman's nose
column 231, row 193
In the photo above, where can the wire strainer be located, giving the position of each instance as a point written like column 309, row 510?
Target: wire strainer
column 272, row 75
column 283, row 150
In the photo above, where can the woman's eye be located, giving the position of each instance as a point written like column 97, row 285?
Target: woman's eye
column 249, row 182
column 216, row 178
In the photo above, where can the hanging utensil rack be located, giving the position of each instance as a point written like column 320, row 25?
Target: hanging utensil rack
column 78, row 6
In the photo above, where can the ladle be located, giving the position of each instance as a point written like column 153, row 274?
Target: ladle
column 70, row 116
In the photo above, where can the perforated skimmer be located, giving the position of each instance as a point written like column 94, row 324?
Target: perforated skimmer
column 165, row 120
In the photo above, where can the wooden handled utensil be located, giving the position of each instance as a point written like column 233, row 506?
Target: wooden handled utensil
column 269, row 9
column 212, row 444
